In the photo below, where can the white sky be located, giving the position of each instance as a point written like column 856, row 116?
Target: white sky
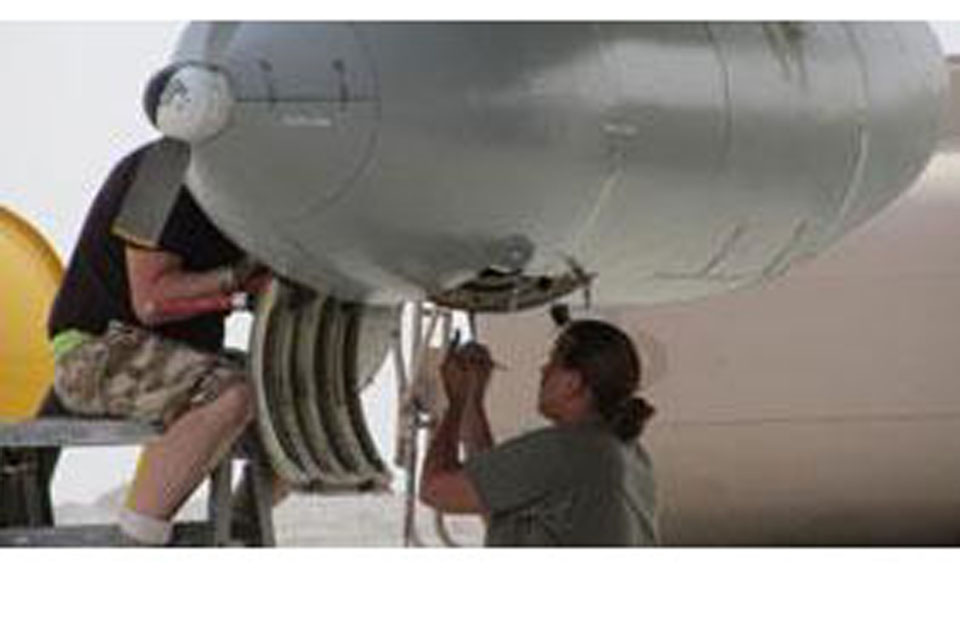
column 70, row 110
column 949, row 34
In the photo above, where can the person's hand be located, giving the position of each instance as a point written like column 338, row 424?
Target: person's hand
column 257, row 283
column 245, row 268
column 466, row 372
column 250, row 276
column 478, row 365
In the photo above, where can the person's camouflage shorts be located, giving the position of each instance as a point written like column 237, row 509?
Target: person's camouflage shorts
column 131, row 373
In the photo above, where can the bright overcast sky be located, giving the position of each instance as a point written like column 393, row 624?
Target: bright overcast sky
column 949, row 33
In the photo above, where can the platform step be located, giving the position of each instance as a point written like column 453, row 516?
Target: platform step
column 185, row 534
column 75, row 432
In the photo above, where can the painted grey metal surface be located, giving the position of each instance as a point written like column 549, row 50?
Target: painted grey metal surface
column 262, row 501
column 219, row 512
column 185, row 534
column 78, row 432
column 390, row 161
column 950, row 140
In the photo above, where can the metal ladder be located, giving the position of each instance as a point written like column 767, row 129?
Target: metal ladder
column 29, row 522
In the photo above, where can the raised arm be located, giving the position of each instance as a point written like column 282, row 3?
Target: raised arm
column 161, row 290
column 444, row 485
column 475, row 431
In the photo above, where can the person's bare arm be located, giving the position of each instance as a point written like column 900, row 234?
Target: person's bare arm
column 475, row 428
column 444, row 485
column 161, row 290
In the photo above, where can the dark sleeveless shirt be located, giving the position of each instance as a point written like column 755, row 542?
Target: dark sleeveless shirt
column 95, row 288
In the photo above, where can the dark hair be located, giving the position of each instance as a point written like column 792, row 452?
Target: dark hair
column 608, row 361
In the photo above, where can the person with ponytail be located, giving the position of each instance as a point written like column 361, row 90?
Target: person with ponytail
column 585, row 480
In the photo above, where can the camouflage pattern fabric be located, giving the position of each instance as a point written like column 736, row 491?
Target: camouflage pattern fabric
column 129, row 372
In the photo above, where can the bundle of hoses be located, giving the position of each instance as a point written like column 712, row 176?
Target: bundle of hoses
column 310, row 357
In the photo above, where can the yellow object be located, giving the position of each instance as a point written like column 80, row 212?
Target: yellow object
column 30, row 273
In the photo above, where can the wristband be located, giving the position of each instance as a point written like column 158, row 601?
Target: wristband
column 240, row 301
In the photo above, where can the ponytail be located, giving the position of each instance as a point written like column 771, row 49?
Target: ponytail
column 630, row 418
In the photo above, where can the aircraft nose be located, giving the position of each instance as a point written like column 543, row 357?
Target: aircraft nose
column 196, row 104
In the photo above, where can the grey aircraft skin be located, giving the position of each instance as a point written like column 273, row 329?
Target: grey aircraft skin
column 497, row 167
column 383, row 162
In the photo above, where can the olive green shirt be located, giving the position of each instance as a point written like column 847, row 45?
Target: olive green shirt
column 571, row 485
